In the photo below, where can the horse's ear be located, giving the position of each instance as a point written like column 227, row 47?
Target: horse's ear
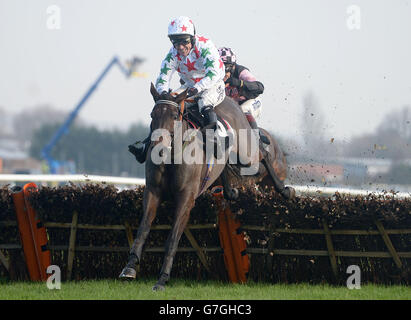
column 154, row 92
column 180, row 97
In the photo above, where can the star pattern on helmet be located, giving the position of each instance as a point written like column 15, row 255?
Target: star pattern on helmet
column 202, row 39
column 209, row 63
column 172, row 22
column 205, row 52
column 183, row 28
column 190, row 65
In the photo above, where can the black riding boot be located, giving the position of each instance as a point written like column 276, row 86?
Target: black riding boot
column 253, row 125
column 210, row 118
column 139, row 149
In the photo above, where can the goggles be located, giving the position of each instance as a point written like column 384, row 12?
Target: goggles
column 177, row 42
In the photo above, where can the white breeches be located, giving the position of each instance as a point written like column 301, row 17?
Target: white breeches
column 210, row 97
column 252, row 106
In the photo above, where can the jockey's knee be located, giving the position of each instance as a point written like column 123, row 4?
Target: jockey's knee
column 252, row 106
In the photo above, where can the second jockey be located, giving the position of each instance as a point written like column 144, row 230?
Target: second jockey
column 197, row 62
column 243, row 87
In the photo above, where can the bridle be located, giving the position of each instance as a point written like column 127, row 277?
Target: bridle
column 180, row 107
column 171, row 103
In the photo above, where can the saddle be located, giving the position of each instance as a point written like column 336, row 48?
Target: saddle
column 196, row 119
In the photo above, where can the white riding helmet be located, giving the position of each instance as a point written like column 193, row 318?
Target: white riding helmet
column 181, row 26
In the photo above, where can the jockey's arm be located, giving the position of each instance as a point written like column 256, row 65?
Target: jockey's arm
column 168, row 67
column 251, row 88
column 213, row 67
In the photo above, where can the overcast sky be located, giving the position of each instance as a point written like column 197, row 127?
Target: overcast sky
column 293, row 47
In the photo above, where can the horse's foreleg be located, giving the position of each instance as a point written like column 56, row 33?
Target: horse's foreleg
column 185, row 204
column 150, row 205
column 279, row 186
column 229, row 192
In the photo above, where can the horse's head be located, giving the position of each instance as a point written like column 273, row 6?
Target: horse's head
column 166, row 109
column 164, row 114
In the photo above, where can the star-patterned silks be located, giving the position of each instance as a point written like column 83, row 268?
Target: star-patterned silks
column 165, row 69
column 200, row 69
column 196, row 52
column 202, row 39
column 169, row 57
column 160, row 80
column 210, row 74
column 205, row 52
column 197, row 79
column 190, row 65
column 208, row 63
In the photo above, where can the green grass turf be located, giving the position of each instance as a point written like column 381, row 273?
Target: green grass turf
column 189, row 290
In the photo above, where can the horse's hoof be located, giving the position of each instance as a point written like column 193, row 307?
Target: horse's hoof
column 158, row 287
column 264, row 139
column 232, row 195
column 289, row 193
column 128, row 274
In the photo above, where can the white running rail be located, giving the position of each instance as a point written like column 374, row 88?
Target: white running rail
column 301, row 190
column 70, row 177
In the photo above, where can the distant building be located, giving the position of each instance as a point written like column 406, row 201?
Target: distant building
column 371, row 167
column 338, row 170
column 14, row 160
column 319, row 173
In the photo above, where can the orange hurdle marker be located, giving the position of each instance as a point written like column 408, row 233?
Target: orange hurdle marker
column 33, row 234
column 232, row 240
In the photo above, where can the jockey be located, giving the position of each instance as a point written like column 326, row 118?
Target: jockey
column 201, row 71
column 243, row 87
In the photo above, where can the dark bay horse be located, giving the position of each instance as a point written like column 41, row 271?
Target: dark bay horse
column 184, row 182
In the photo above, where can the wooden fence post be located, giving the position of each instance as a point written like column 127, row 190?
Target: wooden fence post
column 200, row 251
column 389, row 244
column 270, row 248
column 330, row 248
column 5, row 261
column 72, row 244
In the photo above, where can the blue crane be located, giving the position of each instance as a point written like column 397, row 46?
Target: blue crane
column 64, row 129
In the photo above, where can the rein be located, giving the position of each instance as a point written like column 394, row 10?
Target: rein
column 180, row 107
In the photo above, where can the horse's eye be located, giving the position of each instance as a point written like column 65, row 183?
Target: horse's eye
column 175, row 117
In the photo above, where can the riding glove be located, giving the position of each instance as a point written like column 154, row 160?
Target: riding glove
column 192, row 92
column 234, row 82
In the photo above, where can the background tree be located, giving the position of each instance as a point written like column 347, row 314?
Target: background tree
column 313, row 127
column 94, row 151
column 391, row 140
column 28, row 120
